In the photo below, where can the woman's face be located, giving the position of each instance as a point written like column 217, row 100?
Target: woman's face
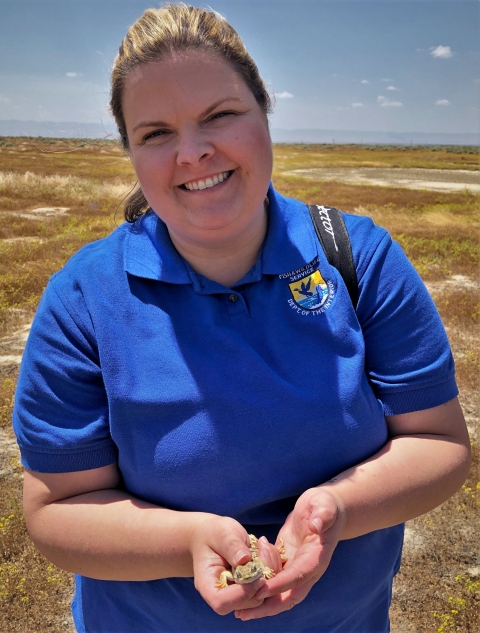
column 200, row 146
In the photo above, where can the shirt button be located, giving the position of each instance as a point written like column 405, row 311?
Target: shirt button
column 232, row 298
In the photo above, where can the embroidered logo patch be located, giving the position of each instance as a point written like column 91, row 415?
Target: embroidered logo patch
column 310, row 292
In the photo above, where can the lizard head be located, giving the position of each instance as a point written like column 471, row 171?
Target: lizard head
column 243, row 574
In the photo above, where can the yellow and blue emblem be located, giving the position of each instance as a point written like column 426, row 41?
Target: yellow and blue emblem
column 310, row 292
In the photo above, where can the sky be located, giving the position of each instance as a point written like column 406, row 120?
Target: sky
column 383, row 65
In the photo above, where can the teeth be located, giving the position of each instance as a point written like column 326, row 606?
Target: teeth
column 206, row 184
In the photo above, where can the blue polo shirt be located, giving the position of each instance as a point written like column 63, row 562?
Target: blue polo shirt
column 231, row 400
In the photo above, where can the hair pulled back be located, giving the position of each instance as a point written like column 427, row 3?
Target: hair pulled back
column 173, row 28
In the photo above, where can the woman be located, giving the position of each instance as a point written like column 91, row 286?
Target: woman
column 174, row 398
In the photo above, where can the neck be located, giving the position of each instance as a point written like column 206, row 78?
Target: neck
column 228, row 261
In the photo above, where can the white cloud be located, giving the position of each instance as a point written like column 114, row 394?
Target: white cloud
column 335, row 75
column 4, row 100
column 284, row 95
column 364, row 81
column 385, row 103
column 357, row 105
column 443, row 52
column 74, row 74
column 393, row 88
column 476, row 81
column 387, row 80
column 443, row 102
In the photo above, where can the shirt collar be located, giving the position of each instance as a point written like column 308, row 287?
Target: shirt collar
column 291, row 241
column 149, row 252
column 290, row 244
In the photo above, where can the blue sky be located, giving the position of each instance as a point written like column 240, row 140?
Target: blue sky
column 384, row 65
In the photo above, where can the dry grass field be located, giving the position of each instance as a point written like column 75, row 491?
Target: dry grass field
column 56, row 195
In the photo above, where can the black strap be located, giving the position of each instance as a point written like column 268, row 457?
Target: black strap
column 333, row 235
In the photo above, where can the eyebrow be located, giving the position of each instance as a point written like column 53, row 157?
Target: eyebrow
column 202, row 115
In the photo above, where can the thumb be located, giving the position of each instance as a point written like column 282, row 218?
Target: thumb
column 323, row 516
column 237, row 552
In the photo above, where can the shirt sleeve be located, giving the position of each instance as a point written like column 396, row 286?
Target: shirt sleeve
column 407, row 354
column 60, row 415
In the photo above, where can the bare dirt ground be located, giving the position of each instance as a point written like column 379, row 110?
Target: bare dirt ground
column 448, row 180
column 11, row 347
column 41, row 212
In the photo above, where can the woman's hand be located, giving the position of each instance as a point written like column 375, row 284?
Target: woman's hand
column 425, row 461
column 219, row 543
column 310, row 534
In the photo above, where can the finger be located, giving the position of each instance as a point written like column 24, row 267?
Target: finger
column 288, row 579
column 234, row 548
column 309, row 563
column 269, row 554
column 234, row 597
column 322, row 518
column 276, row 604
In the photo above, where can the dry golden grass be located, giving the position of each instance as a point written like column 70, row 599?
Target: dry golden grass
column 33, row 245
column 99, row 160
column 438, row 587
column 298, row 156
column 18, row 190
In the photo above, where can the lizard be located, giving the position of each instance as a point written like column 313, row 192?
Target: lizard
column 256, row 568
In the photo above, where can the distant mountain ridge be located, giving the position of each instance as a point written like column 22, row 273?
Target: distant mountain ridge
column 109, row 131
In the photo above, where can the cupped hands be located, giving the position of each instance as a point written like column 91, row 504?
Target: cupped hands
column 310, row 535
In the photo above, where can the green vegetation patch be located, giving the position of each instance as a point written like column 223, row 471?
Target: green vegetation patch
column 298, row 156
column 436, row 257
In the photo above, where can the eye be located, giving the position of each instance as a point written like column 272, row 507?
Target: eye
column 220, row 115
column 155, row 134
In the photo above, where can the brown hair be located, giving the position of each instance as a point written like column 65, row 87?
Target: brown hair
column 177, row 27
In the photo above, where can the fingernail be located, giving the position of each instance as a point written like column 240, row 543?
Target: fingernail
column 262, row 594
column 263, row 539
column 318, row 524
column 238, row 556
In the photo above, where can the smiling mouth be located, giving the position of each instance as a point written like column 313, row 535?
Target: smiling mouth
column 208, row 183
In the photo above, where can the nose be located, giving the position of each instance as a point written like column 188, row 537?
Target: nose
column 193, row 147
